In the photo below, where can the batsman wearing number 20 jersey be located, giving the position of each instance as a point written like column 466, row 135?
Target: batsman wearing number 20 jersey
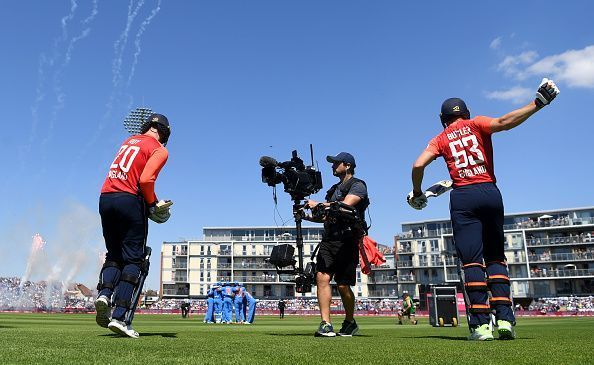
column 476, row 206
column 126, row 203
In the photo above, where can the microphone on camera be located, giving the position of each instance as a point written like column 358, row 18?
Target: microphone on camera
column 266, row 161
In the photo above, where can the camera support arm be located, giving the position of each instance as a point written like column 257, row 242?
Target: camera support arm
column 298, row 214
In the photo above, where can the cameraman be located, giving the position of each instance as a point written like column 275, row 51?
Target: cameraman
column 339, row 249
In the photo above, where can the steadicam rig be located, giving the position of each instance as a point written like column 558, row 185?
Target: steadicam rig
column 299, row 181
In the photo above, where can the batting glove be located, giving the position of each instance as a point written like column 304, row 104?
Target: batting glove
column 547, row 91
column 160, row 212
column 416, row 202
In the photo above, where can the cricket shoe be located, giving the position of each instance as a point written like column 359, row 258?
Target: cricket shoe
column 505, row 330
column 122, row 329
column 103, row 312
column 325, row 330
column 348, row 329
column 481, row 333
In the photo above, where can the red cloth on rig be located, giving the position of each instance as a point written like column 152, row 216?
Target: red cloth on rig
column 372, row 254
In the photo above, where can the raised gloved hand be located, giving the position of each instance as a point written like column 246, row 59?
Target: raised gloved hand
column 416, row 202
column 547, row 91
column 159, row 212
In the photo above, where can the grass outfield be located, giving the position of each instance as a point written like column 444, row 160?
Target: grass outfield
column 168, row 339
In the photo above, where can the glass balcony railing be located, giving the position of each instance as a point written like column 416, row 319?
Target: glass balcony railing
column 556, row 273
column 430, row 263
column 452, row 277
column 175, row 292
column 257, row 279
column 382, row 279
column 383, row 293
column 223, row 265
column 554, row 222
column 581, row 239
column 405, row 264
column 585, row 256
column 253, row 265
column 406, row 278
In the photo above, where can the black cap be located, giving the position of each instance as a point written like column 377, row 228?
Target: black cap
column 159, row 119
column 454, row 107
column 342, row 157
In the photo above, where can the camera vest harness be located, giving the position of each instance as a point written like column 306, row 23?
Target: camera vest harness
column 344, row 190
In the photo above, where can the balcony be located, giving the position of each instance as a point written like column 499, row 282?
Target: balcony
column 382, row 293
column 383, row 279
column 404, row 264
column 168, row 292
column 406, row 279
column 450, row 261
column 558, row 222
column 435, row 263
column 257, row 279
column 452, row 277
column 425, row 233
column 253, row 265
column 556, row 273
column 573, row 240
column 223, row 265
column 582, row 256
column 225, row 252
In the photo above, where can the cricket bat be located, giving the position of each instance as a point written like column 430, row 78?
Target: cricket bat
column 438, row 188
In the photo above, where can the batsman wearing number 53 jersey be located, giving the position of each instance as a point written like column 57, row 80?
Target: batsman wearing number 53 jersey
column 476, row 206
column 127, row 201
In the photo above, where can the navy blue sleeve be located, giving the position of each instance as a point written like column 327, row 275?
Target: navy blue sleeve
column 359, row 189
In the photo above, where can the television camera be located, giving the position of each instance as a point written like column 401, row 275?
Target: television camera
column 298, row 181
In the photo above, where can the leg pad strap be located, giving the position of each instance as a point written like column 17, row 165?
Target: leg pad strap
column 500, row 301
column 479, row 308
column 132, row 279
column 476, row 286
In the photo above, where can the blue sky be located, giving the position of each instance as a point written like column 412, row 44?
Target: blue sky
column 242, row 79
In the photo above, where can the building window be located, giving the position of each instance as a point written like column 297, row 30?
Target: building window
column 434, row 245
column 422, row 246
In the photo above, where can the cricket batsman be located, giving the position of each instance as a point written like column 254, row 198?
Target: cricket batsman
column 476, row 206
column 127, row 200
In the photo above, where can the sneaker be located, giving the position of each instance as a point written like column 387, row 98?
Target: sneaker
column 325, row 330
column 505, row 330
column 122, row 329
column 348, row 329
column 481, row 333
column 103, row 312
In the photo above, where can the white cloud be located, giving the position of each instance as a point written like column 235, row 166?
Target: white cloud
column 496, row 43
column 516, row 94
column 513, row 65
column 573, row 67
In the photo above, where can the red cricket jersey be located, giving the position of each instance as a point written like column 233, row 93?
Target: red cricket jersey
column 136, row 167
column 467, row 150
